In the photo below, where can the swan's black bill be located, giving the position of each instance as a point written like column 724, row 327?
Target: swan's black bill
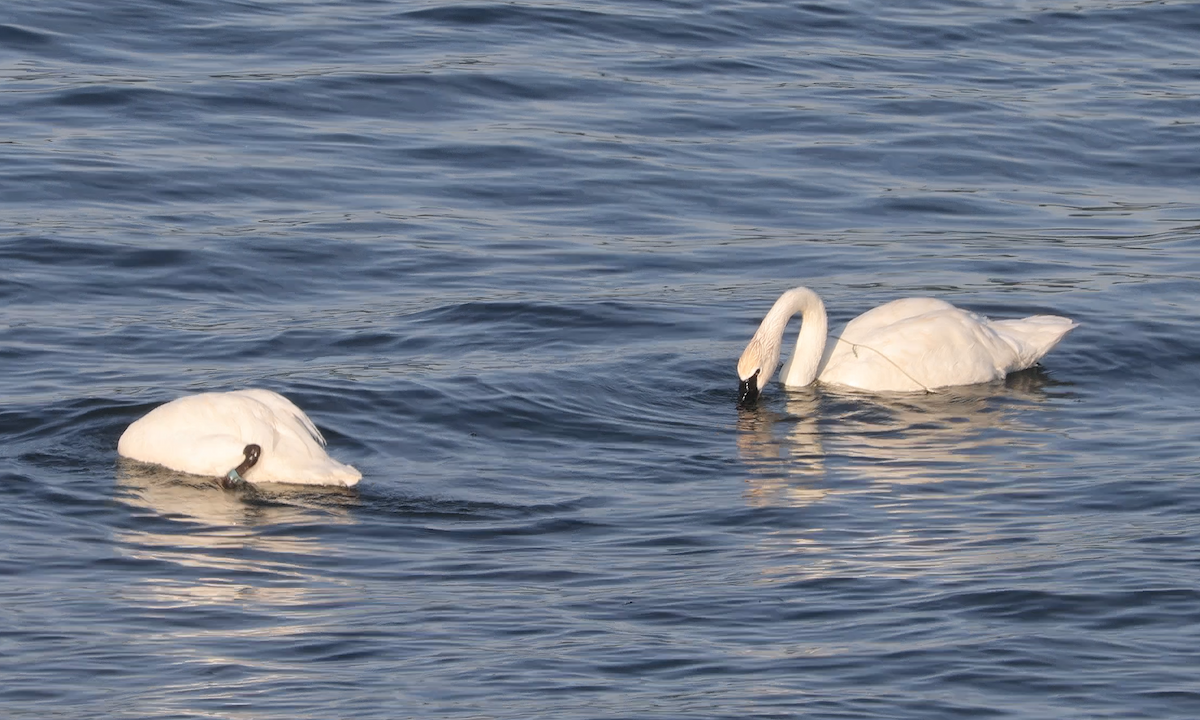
column 748, row 391
column 235, row 477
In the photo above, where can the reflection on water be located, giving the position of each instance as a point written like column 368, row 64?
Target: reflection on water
column 236, row 577
column 784, row 451
column 194, row 499
column 897, row 439
column 208, row 535
column 826, row 443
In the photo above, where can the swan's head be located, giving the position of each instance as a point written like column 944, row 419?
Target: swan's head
column 755, row 368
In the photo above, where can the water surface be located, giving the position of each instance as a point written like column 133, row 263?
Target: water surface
column 506, row 256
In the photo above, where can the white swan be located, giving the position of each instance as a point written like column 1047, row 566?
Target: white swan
column 253, row 435
column 906, row 345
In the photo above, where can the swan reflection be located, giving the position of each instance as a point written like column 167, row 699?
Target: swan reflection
column 824, row 445
column 961, row 432
column 784, row 451
column 210, row 535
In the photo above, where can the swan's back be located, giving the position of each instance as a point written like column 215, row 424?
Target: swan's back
column 925, row 343
column 206, row 434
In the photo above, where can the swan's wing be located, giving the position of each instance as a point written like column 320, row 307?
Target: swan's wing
column 203, row 434
column 889, row 314
column 280, row 412
column 944, row 346
column 298, row 454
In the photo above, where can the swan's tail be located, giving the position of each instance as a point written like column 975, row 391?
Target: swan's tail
column 1033, row 337
column 319, row 471
column 347, row 475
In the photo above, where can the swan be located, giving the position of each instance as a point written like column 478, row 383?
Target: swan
column 913, row 344
column 254, row 436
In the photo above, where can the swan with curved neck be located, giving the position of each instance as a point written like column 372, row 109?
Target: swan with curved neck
column 908, row 345
column 255, row 436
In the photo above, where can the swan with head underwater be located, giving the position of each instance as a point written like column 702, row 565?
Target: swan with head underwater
column 255, row 436
column 908, row 345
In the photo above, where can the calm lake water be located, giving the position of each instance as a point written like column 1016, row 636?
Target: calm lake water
column 506, row 256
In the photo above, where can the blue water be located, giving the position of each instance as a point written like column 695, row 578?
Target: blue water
column 506, row 256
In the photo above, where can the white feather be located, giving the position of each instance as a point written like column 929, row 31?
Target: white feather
column 206, row 434
column 906, row 345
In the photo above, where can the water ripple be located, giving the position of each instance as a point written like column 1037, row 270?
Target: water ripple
column 506, row 257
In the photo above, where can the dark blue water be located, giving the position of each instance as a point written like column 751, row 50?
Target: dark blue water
column 506, row 256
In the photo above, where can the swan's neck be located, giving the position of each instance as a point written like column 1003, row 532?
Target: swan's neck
column 805, row 361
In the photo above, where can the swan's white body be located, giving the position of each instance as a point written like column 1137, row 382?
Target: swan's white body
column 914, row 344
column 206, row 434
